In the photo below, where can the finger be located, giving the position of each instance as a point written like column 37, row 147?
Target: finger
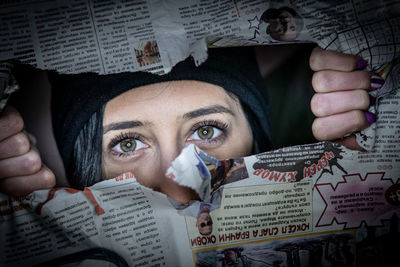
column 32, row 139
column 26, row 164
column 325, row 104
column 350, row 142
column 338, row 125
column 14, row 145
column 10, row 122
column 321, row 59
column 23, row 185
column 330, row 81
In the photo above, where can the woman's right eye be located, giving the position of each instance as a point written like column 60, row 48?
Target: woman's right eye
column 128, row 145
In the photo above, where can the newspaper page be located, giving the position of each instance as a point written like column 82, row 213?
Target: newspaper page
column 153, row 35
column 311, row 205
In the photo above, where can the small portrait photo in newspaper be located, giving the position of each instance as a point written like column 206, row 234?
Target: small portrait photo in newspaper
column 283, row 24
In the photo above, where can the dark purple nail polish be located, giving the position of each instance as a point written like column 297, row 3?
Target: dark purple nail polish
column 371, row 118
column 361, row 64
column 372, row 100
column 376, row 81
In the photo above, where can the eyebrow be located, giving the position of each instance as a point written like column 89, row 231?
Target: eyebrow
column 206, row 111
column 121, row 125
column 187, row 116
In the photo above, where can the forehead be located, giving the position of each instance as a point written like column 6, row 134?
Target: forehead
column 166, row 96
column 204, row 216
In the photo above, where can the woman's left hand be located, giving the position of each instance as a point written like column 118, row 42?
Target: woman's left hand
column 341, row 96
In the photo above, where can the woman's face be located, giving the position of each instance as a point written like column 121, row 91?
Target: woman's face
column 146, row 128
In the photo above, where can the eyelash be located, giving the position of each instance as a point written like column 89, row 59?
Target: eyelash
column 131, row 135
column 214, row 123
column 121, row 137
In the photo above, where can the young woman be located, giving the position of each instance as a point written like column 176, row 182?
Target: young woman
column 105, row 125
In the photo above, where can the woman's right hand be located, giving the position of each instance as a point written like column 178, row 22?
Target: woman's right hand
column 21, row 168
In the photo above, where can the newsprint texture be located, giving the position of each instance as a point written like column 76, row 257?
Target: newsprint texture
column 310, row 205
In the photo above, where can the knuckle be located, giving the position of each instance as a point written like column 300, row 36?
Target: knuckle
column 320, row 81
column 319, row 130
column 363, row 99
column 365, row 80
column 315, row 59
column 314, row 81
column 319, row 105
column 314, row 105
column 48, row 178
column 21, row 143
column 14, row 122
column 32, row 162
column 358, row 119
column 348, row 61
column 361, row 79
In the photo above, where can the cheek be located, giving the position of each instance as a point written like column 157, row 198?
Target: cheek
column 148, row 174
column 241, row 145
column 238, row 150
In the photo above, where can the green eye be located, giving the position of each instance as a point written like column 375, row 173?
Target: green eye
column 205, row 132
column 128, row 145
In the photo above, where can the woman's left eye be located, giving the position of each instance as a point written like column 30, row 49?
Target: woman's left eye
column 128, row 145
column 206, row 133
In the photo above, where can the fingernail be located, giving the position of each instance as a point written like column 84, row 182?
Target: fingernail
column 371, row 118
column 361, row 64
column 372, row 100
column 376, row 82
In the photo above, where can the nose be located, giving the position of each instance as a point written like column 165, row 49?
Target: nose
column 179, row 193
column 168, row 152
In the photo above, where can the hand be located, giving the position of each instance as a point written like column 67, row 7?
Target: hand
column 21, row 168
column 341, row 97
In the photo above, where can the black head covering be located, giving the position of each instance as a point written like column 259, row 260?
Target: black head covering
column 76, row 97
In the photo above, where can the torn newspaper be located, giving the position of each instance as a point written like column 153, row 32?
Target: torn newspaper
column 318, row 204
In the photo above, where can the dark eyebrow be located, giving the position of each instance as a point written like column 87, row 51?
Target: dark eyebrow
column 206, row 111
column 121, row 125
